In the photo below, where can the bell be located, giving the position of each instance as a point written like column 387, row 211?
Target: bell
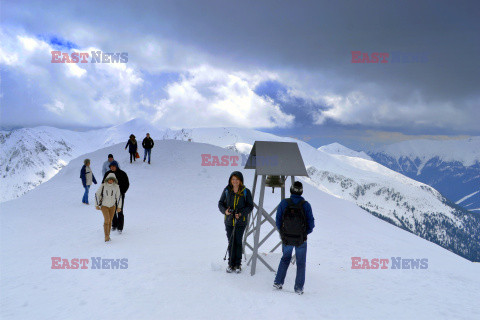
column 274, row 182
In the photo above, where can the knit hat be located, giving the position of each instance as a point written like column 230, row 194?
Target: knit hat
column 113, row 163
column 296, row 188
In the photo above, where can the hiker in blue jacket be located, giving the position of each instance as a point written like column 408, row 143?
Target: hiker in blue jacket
column 295, row 221
column 235, row 203
column 88, row 178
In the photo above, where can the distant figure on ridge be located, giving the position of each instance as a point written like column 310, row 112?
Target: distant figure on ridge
column 235, row 203
column 108, row 199
column 294, row 221
column 147, row 144
column 87, row 177
column 106, row 164
column 132, row 147
column 123, row 183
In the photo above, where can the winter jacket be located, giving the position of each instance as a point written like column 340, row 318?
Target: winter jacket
column 306, row 208
column 106, row 166
column 241, row 201
column 132, row 146
column 148, row 143
column 109, row 195
column 122, row 179
column 87, row 176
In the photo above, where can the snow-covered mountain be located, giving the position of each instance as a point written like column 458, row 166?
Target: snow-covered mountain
column 31, row 156
column 337, row 148
column 174, row 242
column 451, row 166
column 388, row 195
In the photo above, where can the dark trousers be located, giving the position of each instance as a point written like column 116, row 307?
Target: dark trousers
column 235, row 245
column 132, row 157
column 118, row 217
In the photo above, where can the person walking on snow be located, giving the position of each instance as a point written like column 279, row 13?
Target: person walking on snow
column 147, row 144
column 235, row 203
column 123, row 183
column 106, row 164
column 87, row 177
column 294, row 220
column 132, row 147
column 108, row 199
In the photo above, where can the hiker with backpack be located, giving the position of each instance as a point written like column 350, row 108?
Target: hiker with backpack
column 88, row 178
column 124, row 184
column 132, row 148
column 108, row 198
column 295, row 221
column 235, row 203
column 147, row 144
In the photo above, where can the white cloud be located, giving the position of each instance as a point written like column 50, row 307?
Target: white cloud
column 212, row 97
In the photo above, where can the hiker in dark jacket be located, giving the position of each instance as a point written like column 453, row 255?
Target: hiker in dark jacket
column 297, row 241
column 88, row 178
column 235, row 203
column 147, row 144
column 123, row 183
column 132, row 147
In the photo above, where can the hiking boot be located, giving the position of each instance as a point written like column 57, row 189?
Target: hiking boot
column 299, row 291
column 114, row 228
column 238, row 269
column 143, row 160
column 119, row 231
column 108, row 239
column 230, row 269
column 277, row 286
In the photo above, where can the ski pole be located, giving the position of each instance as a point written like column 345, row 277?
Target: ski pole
column 230, row 242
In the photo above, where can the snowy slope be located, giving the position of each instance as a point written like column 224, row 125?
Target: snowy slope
column 31, row 156
column 337, row 148
column 174, row 241
column 451, row 166
column 386, row 194
column 391, row 196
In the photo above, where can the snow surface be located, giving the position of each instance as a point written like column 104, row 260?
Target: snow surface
column 174, row 241
column 337, row 148
column 364, row 182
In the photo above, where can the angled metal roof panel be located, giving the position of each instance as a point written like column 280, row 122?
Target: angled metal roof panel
column 276, row 158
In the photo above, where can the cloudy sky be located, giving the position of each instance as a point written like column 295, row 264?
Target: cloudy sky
column 280, row 66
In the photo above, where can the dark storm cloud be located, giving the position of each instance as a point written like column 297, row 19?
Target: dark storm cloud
column 315, row 37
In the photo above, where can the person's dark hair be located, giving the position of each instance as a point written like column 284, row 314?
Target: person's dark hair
column 296, row 188
column 110, row 155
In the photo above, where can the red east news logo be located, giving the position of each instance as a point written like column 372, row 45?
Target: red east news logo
column 365, row 58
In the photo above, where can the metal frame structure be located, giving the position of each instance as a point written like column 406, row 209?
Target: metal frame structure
column 279, row 159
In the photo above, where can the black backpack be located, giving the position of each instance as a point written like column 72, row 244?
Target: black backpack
column 294, row 227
